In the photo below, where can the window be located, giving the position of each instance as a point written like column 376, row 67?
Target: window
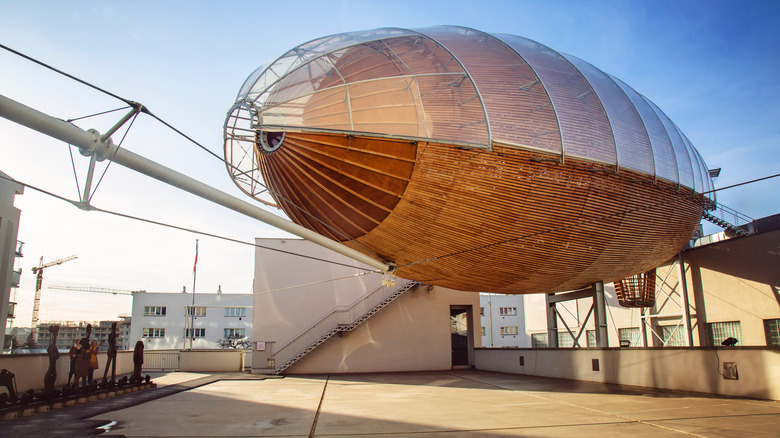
column 673, row 335
column 538, row 340
column 235, row 332
column 591, row 334
column 235, row 311
column 198, row 311
column 154, row 310
column 772, row 331
column 483, row 330
column 154, row 332
column 197, row 333
column 509, row 330
column 717, row 332
column 508, row 311
column 565, row 340
column 630, row 334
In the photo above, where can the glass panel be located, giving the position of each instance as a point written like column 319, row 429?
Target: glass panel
column 673, row 335
column 367, row 61
column 383, row 96
column 326, row 109
column 565, row 340
column 631, row 335
column 423, row 55
column 633, row 145
column 700, row 166
column 684, row 168
column 591, row 334
column 717, row 332
column 663, row 151
column 695, row 167
column 708, row 185
column 388, row 106
column 453, row 110
column 518, row 107
column 538, row 340
column 250, row 81
column 772, row 331
column 339, row 41
column 259, row 80
column 584, row 126
column 311, row 77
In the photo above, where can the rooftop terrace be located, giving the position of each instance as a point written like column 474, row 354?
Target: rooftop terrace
column 430, row 404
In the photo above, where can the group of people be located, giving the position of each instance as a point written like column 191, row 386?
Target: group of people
column 83, row 360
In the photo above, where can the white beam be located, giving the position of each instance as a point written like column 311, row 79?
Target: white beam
column 90, row 143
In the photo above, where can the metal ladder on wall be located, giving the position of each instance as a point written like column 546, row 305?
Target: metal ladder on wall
column 730, row 219
column 340, row 319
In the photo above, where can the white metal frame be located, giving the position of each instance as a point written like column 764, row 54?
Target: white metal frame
column 98, row 148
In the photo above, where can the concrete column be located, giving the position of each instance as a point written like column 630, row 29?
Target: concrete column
column 600, row 314
column 686, row 308
column 552, row 322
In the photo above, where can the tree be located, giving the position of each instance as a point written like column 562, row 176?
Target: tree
column 235, row 342
column 31, row 342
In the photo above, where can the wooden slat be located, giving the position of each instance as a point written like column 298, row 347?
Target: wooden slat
column 516, row 224
column 349, row 191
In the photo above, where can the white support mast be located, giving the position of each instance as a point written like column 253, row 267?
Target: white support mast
column 92, row 144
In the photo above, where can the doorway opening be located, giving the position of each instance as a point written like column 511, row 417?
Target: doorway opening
column 461, row 336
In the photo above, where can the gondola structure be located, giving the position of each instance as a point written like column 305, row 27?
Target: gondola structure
column 474, row 161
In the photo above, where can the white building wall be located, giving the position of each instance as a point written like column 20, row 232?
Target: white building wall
column 214, row 322
column 9, row 227
column 410, row 334
column 510, row 319
column 293, row 293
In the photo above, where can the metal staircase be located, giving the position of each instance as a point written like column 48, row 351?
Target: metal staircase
column 340, row 319
column 730, row 219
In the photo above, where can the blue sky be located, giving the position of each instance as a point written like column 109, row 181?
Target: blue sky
column 711, row 66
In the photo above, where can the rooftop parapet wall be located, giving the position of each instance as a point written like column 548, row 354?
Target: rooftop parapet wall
column 29, row 369
column 680, row 369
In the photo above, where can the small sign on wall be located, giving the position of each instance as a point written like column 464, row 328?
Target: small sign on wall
column 260, row 346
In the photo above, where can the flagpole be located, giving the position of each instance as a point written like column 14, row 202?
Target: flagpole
column 194, row 276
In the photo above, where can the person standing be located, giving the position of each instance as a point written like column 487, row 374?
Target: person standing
column 93, row 360
column 73, row 353
column 111, row 354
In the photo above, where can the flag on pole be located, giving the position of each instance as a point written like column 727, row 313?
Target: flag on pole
column 195, row 266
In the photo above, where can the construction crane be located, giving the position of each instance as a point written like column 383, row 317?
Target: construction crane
column 39, row 281
column 100, row 290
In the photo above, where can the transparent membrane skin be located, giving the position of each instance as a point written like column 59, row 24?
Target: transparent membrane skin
column 460, row 86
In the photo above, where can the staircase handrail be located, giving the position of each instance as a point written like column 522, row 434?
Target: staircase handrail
column 723, row 210
column 337, row 310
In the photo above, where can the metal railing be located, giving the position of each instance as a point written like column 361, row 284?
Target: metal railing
column 161, row 360
column 728, row 218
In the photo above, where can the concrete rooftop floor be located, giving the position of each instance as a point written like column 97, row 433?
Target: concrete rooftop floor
column 426, row 404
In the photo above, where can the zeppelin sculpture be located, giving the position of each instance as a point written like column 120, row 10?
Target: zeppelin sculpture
column 474, row 161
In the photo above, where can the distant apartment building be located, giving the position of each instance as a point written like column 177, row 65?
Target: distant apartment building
column 502, row 321
column 10, row 250
column 126, row 320
column 71, row 331
column 169, row 321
